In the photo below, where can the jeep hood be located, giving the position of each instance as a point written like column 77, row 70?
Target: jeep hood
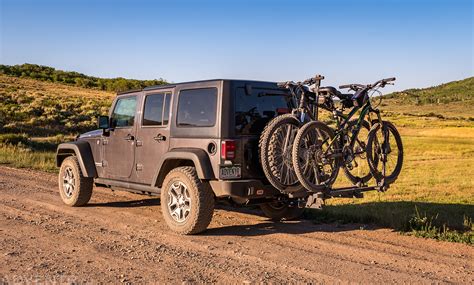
column 91, row 134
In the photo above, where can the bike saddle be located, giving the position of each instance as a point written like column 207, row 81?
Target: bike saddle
column 329, row 90
column 344, row 96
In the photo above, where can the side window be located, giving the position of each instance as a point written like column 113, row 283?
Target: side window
column 166, row 110
column 155, row 113
column 124, row 112
column 197, row 107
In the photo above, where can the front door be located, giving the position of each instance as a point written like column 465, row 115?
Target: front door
column 152, row 135
column 120, row 144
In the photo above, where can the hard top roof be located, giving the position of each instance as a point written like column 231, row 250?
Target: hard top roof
column 154, row 87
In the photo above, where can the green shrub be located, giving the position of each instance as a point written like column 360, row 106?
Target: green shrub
column 14, row 139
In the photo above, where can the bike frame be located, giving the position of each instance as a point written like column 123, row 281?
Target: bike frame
column 365, row 110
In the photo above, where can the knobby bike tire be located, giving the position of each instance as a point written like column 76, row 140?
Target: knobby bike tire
column 373, row 147
column 268, row 150
column 301, row 170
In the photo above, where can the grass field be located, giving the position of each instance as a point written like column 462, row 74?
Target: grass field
column 434, row 194
column 433, row 197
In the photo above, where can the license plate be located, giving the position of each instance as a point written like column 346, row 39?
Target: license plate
column 230, row 172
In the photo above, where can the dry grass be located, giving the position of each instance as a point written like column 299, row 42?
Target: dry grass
column 436, row 182
column 22, row 157
column 51, row 89
column 437, row 178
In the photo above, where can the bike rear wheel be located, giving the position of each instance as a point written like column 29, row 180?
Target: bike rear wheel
column 358, row 170
column 385, row 152
column 315, row 156
column 275, row 147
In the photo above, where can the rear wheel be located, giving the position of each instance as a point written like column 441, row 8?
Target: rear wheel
column 281, row 211
column 275, row 147
column 385, row 152
column 356, row 166
column 315, row 156
column 187, row 203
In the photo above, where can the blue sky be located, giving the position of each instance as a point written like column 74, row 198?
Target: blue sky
column 421, row 42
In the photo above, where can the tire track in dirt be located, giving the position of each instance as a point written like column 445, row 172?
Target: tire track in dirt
column 122, row 237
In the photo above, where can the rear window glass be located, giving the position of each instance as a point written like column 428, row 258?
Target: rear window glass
column 254, row 111
column 197, row 107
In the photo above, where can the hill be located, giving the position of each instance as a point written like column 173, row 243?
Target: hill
column 455, row 91
column 450, row 101
column 46, row 73
column 40, row 108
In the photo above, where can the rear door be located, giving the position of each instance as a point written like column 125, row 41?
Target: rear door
column 119, row 146
column 152, row 140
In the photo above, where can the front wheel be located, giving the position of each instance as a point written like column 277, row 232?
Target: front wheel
column 74, row 188
column 385, row 152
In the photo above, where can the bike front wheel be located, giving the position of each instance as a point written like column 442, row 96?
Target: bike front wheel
column 315, row 156
column 385, row 152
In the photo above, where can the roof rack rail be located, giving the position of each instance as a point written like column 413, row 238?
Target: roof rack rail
column 128, row 91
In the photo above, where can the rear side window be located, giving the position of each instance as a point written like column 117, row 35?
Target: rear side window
column 254, row 111
column 156, row 110
column 197, row 107
column 124, row 112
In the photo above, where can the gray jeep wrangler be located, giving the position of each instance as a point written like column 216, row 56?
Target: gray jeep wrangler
column 193, row 143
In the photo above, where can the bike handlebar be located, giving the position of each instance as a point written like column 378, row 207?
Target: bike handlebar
column 383, row 82
column 308, row 81
column 314, row 79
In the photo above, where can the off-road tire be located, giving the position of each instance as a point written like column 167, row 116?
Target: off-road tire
column 278, row 211
column 201, row 204
column 299, row 169
column 267, row 151
column 82, row 185
column 374, row 161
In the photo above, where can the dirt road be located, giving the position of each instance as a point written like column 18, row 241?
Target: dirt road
column 121, row 237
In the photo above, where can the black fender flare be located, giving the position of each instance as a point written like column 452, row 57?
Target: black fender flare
column 83, row 152
column 198, row 156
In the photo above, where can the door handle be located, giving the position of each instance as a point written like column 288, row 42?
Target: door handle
column 159, row 138
column 129, row 138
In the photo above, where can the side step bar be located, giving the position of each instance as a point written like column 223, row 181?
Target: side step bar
column 128, row 186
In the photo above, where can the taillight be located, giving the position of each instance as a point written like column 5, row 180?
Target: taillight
column 281, row 111
column 228, row 150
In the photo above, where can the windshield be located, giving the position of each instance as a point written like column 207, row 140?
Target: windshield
column 255, row 110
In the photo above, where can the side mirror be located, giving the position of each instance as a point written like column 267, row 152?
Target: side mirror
column 103, row 122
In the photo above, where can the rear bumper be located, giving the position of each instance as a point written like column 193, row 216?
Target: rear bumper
column 248, row 189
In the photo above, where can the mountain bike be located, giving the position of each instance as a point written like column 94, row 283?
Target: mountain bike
column 319, row 152
column 276, row 141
